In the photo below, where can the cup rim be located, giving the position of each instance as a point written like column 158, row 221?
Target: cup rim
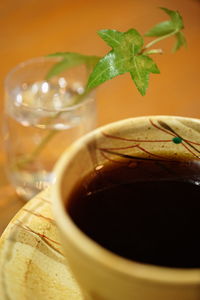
column 89, row 98
column 96, row 252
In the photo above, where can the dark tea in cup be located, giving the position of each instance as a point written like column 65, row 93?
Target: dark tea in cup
column 147, row 211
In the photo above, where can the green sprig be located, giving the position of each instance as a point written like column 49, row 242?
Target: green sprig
column 125, row 56
column 167, row 29
column 128, row 54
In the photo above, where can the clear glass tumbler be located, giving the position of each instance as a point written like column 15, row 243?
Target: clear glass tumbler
column 41, row 118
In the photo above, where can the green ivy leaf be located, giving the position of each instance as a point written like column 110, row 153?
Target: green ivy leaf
column 175, row 24
column 175, row 18
column 126, row 45
column 124, row 57
column 109, row 66
column 180, row 41
column 142, row 67
column 132, row 42
column 112, row 37
column 69, row 60
column 169, row 28
column 161, row 29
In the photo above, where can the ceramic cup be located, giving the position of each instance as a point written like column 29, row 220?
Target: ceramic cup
column 101, row 274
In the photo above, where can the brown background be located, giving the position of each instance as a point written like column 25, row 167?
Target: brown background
column 31, row 28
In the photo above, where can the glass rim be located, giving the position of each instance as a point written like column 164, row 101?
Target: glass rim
column 89, row 98
column 27, row 62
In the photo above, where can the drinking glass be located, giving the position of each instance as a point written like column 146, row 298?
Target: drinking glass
column 41, row 118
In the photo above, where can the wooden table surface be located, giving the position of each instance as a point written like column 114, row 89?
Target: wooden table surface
column 34, row 28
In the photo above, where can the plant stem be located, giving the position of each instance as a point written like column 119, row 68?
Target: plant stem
column 153, row 51
column 23, row 160
column 42, row 144
column 150, row 44
column 30, row 158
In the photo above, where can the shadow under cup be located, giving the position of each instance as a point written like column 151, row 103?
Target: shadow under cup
column 159, row 140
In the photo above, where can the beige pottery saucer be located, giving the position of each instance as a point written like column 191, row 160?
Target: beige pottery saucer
column 32, row 265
